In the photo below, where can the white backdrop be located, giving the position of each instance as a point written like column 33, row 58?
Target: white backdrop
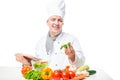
column 94, row 22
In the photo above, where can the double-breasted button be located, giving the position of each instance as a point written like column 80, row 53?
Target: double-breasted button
column 55, row 64
column 58, row 42
column 55, row 53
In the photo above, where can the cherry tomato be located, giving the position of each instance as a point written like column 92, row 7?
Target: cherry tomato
column 65, row 75
column 71, row 74
column 56, row 75
column 25, row 69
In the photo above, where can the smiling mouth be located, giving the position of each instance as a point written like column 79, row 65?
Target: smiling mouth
column 56, row 27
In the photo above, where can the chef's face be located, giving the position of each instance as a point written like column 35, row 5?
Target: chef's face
column 55, row 24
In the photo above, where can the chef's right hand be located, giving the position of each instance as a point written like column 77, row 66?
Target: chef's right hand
column 22, row 59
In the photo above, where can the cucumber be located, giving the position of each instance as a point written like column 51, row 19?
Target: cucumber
column 91, row 72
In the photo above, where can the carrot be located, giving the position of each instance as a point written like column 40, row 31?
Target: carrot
column 80, row 77
column 67, row 68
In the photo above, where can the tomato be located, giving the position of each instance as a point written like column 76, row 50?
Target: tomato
column 65, row 75
column 71, row 74
column 56, row 75
column 25, row 69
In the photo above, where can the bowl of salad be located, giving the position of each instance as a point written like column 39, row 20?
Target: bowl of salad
column 39, row 65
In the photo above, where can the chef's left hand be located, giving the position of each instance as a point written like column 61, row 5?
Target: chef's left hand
column 70, row 52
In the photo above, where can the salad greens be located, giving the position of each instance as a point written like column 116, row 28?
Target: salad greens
column 33, row 75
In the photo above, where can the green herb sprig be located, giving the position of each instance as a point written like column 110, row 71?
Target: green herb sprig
column 65, row 45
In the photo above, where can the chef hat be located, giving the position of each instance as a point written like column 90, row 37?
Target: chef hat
column 56, row 7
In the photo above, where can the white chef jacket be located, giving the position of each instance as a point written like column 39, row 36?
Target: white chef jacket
column 57, row 59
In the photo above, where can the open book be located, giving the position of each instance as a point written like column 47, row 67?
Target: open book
column 31, row 57
column 28, row 57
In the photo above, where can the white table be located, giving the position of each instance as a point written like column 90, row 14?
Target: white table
column 14, row 73
column 10, row 73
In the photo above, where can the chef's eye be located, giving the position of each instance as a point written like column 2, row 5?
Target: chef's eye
column 53, row 19
column 60, row 20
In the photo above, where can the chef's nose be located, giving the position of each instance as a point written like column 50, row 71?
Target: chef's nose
column 56, row 22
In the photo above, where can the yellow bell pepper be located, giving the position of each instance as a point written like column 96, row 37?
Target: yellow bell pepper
column 46, row 73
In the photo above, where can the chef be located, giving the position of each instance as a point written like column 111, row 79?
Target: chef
column 48, row 48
